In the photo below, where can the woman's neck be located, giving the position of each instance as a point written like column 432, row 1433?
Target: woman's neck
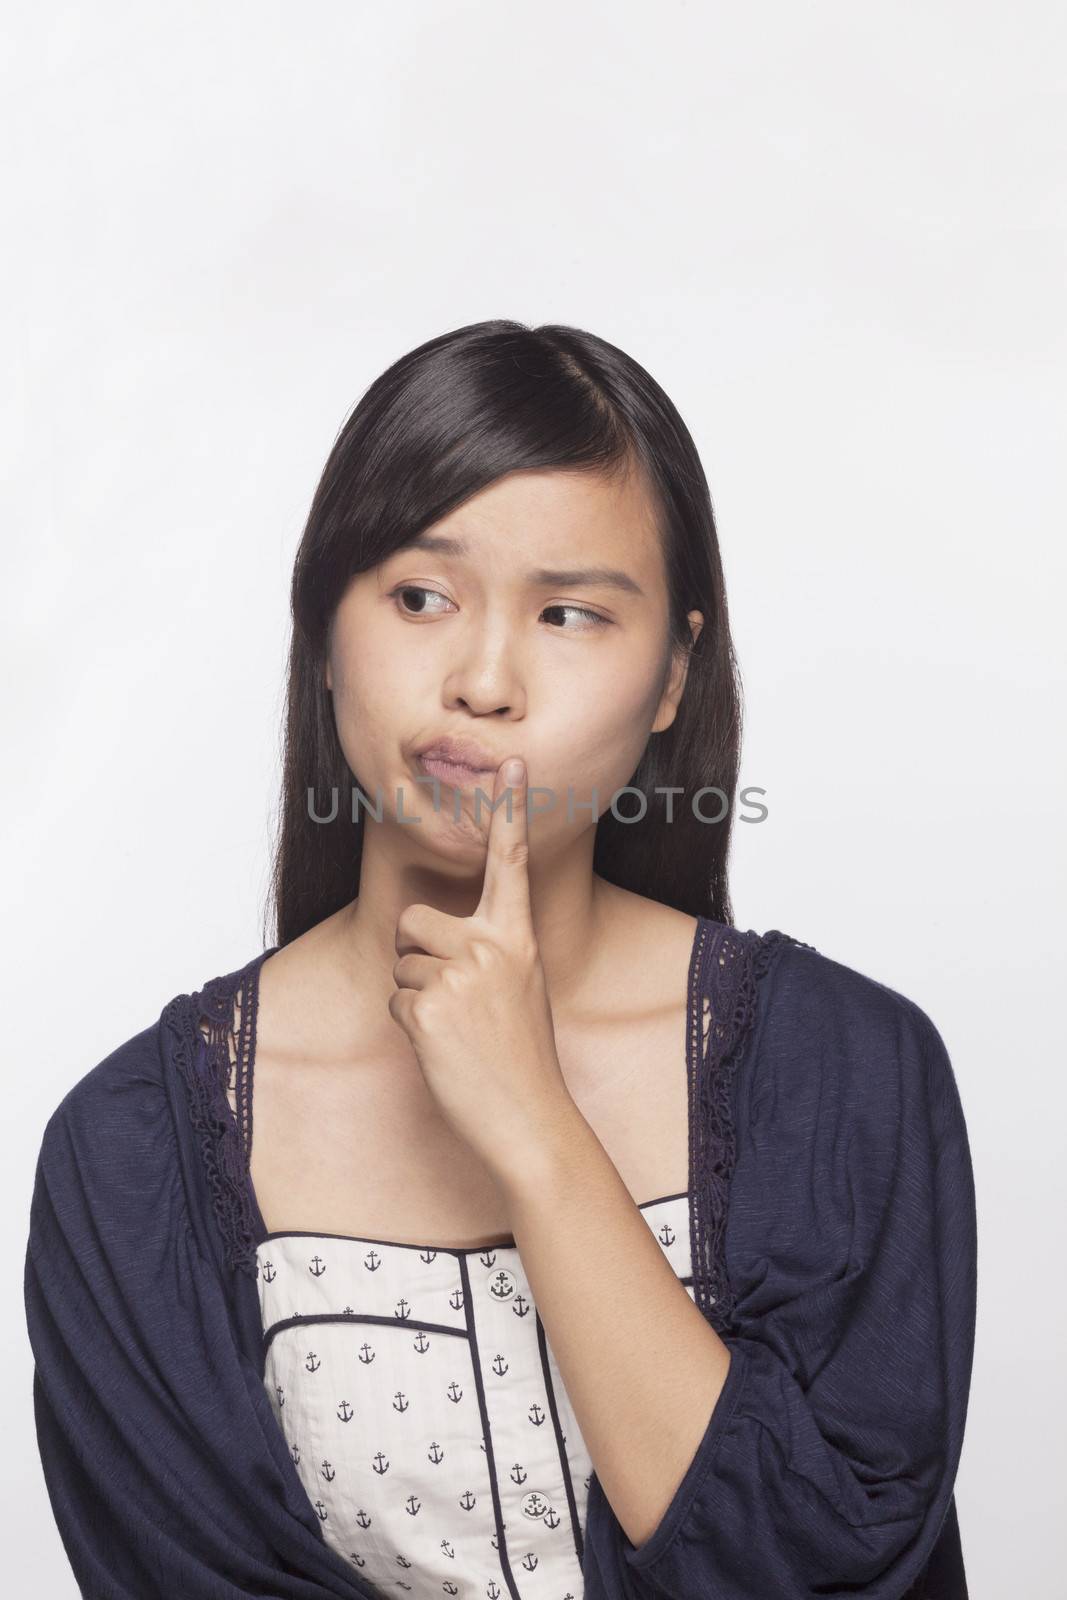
column 576, row 916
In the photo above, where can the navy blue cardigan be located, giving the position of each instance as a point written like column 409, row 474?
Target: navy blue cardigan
column 834, row 1249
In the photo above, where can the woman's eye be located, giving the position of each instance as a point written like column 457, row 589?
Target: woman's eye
column 416, row 588
column 581, row 611
column 594, row 619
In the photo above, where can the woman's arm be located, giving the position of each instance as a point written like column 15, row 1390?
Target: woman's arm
column 641, row 1365
column 167, row 1474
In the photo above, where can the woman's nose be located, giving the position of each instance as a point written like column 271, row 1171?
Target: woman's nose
column 485, row 675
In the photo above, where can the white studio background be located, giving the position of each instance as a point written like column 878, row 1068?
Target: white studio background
column 834, row 233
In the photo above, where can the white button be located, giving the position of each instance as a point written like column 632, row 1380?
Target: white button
column 502, row 1284
column 534, row 1504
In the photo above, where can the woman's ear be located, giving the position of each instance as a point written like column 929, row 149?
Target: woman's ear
column 668, row 706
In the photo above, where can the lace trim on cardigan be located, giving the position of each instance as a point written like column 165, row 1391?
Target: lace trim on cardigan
column 726, row 972
column 215, row 1042
column 214, row 1032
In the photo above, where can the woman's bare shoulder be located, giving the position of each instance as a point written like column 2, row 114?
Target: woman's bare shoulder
column 648, row 945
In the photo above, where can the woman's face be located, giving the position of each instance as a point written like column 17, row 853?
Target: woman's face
column 531, row 621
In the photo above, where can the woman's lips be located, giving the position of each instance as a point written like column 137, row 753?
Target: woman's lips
column 452, row 772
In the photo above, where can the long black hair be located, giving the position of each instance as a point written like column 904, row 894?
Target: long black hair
column 439, row 425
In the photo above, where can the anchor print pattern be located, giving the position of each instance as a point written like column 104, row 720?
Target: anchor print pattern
column 424, row 1411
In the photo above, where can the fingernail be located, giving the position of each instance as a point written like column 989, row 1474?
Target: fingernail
column 513, row 770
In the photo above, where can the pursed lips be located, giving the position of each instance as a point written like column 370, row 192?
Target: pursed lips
column 441, row 764
column 458, row 752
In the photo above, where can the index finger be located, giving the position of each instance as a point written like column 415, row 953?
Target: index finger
column 506, row 887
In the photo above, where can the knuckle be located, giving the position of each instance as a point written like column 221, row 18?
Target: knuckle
column 421, row 1012
column 407, row 925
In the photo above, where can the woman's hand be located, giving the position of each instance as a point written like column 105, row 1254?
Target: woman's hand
column 471, row 996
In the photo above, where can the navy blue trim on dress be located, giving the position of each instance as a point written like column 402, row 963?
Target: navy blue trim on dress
column 507, row 1243
column 561, row 1447
column 487, row 1432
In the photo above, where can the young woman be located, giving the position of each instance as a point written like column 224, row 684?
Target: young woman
column 587, row 1244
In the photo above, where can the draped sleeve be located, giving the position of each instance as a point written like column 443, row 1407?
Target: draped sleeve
column 828, row 1463
column 166, row 1472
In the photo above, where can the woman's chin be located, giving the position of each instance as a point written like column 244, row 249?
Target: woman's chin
column 451, row 837
column 463, row 810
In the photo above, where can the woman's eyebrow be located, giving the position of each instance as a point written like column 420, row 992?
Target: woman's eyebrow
column 540, row 577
